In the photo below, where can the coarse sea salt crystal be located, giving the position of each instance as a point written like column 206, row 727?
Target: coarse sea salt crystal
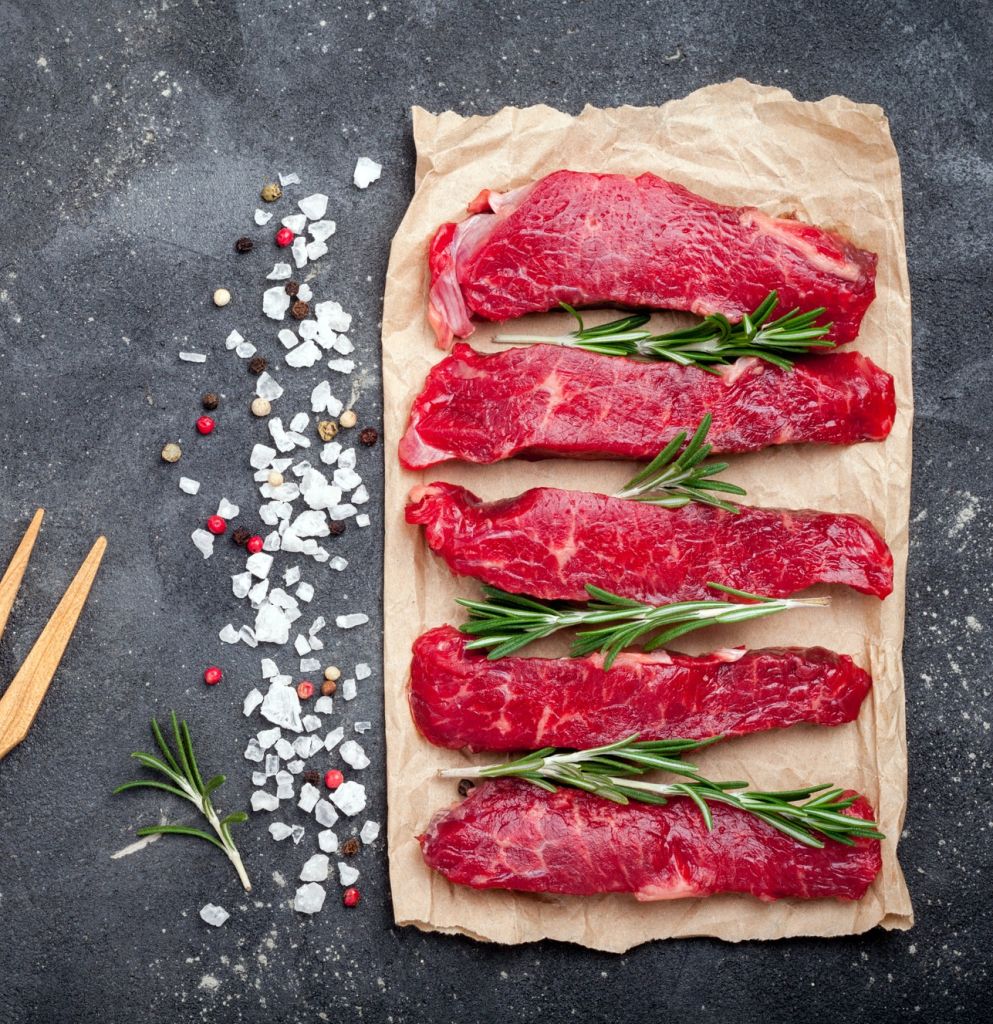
column 322, row 230
column 305, row 591
column 315, row 869
column 245, row 350
column 266, row 387
column 188, row 486
column 323, row 705
column 305, row 294
column 262, row 217
column 362, row 520
column 259, row 778
column 333, row 738
column 316, row 644
column 341, row 365
column 263, row 801
column 257, row 594
column 233, row 340
column 349, row 797
column 317, row 625
column 341, row 511
column 259, row 564
column 268, row 737
column 271, row 765
column 228, row 635
column 279, row 831
column 343, row 346
column 261, row 456
column 348, row 689
column 325, row 814
column 284, row 749
column 362, row 670
column 309, row 795
column 314, row 206
column 361, row 727
column 253, row 752
column 330, row 453
column 289, row 179
column 366, row 172
column 346, row 479
column 320, row 397
column 279, row 272
column 271, row 625
column 291, row 575
column 369, row 832
column 303, row 356
column 312, row 723
column 347, row 874
column 275, row 302
column 309, row 898
column 247, row 635
column 226, row 510
column 298, row 834
column 310, row 665
column 193, row 357
column 353, row 755
column 296, row 222
column 281, row 706
column 253, row 699
column 327, row 841
column 213, row 914
column 299, row 421
column 203, row 541
column 351, row 621
column 301, row 644
column 295, row 766
column 332, row 315
column 298, row 250
column 269, row 668
column 315, row 250
column 241, row 584
column 285, row 791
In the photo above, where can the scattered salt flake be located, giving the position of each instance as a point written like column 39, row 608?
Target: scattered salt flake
column 321, row 399
column 347, row 459
column 341, row 365
column 314, row 207
column 241, row 584
column 296, row 222
column 266, row 387
column 347, row 874
column 268, row 737
column 346, row 479
column 324, row 705
column 309, row 898
column 362, row 670
column 303, row 356
column 287, row 337
column 228, row 635
column 309, row 795
column 281, row 706
column 333, row 738
column 263, row 801
column 327, row 841
column 298, row 834
column 325, row 814
column 275, row 302
column 342, row 345
column 349, row 797
column 289, row 179
column 351, row 620
column 203, row 541
column 295, row 766
column 284, row 791
column 310, row 665
column 305, row 591
column 253, row 699
column 315, row 250
column 353, row 755
column 370, row 832
column 315, row 869
column 245, row 350
column 259, row 778
column 271, row 625
column 361, row 727
column 330, row 453
column 362, row 520
column 284, row 749
column 366, row 172
column 226, row 510
column 253, row 752
column 247, row 635
column 338, row 563
column 298, row 250
column 291, row 575
column 269, row 668
column 322, row 230
column 271, row 763
column 279, row 831
column 305, row 292
column 279, row 272
column 262, row 217
column 317, row 625
column 188, row 486
column 193, row 357
column 213, row 914
column 233, row 340
column 262, row 455
column 331, row 315
column 301, row 645
column 312, row 723
column 341, row 511
column 257, row 594
column 348, row 689
column 259, row 564
column 360, row 496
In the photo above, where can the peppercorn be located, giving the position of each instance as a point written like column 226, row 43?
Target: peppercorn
column 312, row 775
column 171, row 453
column 284, row 237
column 221, row 297
column 210, row 401
column 465, row 785
column 328, row 688
column 305, row 689
column 336, row 527
column 257, row 365
column 254, row 544
column 261, row 407
column 212, row 676
column 351, row 896
column 327, row 429
column 332, row 672
column 244, row 244
column 348, row 418
column 333, row 778
column 241, row 536
column 300, row 310
column 217, row 524
column 275, row 479
column 270, row 193
column 292, row 289
column 350, row 847
column 205, row 425
column 369, row 436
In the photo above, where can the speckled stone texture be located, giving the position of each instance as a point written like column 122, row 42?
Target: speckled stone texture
column 134, row 140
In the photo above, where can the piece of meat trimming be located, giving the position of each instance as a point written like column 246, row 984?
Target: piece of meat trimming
column 509, row 834
column 460, row 698
column 545, row 400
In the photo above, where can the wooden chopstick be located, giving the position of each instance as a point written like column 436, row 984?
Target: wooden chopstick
column 20, row 704
column 11, row 581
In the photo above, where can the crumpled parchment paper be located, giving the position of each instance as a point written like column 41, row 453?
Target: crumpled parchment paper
column 832, row 163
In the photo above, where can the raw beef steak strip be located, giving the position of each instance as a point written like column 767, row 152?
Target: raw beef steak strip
column 550, row 543
column 509, row 834
column 545, row 400
column 459, row 698
column 614, row 240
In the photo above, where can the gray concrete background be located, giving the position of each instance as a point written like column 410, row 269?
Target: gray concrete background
column 133, row 139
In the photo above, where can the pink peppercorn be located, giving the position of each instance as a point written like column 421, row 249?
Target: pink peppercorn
column 284, row 237
column 205, row 425
column 254, row 544
column 351, row 896
column 217, row 524
column 305, row 689
column 212, row 676
column 333, row 778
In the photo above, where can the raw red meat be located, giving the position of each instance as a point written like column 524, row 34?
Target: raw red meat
column 614, row 240
column 461, row 699
column 546, row 400
column 509, row 834
column 550, row 543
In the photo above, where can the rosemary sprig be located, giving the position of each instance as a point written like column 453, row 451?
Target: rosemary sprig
column 809, row 815
column 713, row 341
column 505, row 623
column 185, row 781
column 673, row 478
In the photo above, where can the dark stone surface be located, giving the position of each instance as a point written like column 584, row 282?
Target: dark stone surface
column 135, row 137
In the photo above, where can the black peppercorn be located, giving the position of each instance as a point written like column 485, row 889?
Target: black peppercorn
column 300, row 310
column 369, row 436
column 256, row 365
column 350, row 847
column 312, row 776
column 465, row 785
column 336, row 527
column 210, row 400
column 244, row 244
column 291, row 288
column 241, row 536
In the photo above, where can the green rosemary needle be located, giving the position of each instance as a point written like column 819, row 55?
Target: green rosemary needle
column 504, row 623
column 713, row 341
column 673, row 478
column 184, row 780
column 810, row 815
